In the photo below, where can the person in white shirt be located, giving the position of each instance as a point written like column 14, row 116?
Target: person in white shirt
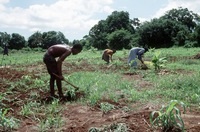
column 136, row 53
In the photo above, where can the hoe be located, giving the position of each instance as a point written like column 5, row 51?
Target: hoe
column 76, row 88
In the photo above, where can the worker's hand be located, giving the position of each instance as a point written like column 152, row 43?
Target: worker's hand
column 144, row 66
column 58, row 76
column 76, row 88
column 61, row 77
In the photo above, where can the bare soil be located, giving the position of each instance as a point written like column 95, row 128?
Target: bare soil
column 79, row 117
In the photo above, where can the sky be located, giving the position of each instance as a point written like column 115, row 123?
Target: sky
column 74, row 18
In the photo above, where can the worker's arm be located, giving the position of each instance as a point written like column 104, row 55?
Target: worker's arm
column 140, row 54
column 140, row 58
column 59, row 63
column 110, row 57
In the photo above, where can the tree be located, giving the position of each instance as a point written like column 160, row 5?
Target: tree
column 119, row 39
column 135, row 22
column 75, row 42
column 85, row 42
column 183, row 15
column 116, row 21
column 35, row 40
column 52, row 37
column 198, row 34
column 162, row 33
column 4, row 39
column 195, row 37
column 98, row 34
column 17, row 41
column 61, row 37
column 119, row 20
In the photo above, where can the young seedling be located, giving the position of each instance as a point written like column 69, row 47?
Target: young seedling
column 106, row 107
column 168, row 117
column 158, row 62
column 5, row 122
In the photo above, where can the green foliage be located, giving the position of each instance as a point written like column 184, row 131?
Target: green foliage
column 2, row 97
column 158, row 62
column 50, row 123
column 184, row 16
column 98, row 85
column 168, row 117
column 99, row 81
column 71, row 94
column 17, row 41
column 173, row 28
column 4, row 39
column 190, row 44
column 180, row 87
column 114, row 32
column 35, row 40
column 22, row 57
column 28, row 82
column 106, row 107
column 53, row 117
column 94, row 50
column 196, row 34
column 115, row 127
column 39, row 83
column 5, row 122
column 195, row 98
column 26, row 110
column 30, row 108
column 119, row 39
column 54, row 107
column 52, row 37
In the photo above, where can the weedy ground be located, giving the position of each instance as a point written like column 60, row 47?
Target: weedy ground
column 111, row 97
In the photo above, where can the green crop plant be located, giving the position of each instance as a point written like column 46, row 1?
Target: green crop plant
column 94, row 98
column 180, row 87
column 7, row 123
column 195, row 98
column 39, row 83
column 168, row 117
column 106, row 107
column 53, row 108
column 34, row 95
column 2, row 97
column 27, row 79
column 115, row 127
column 158, row 62
column 30, row 109
column 71, row 94
column 51, row 122
column 26, row 110
column 53, row 118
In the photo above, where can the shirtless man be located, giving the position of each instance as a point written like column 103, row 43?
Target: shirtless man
column 107, row 55
column 53, row 59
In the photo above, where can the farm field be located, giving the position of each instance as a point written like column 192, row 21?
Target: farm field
column 111, row 97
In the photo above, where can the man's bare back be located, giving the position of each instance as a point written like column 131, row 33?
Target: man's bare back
column 59, row 50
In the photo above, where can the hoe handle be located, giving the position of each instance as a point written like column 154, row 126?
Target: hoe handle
column 76, row 88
